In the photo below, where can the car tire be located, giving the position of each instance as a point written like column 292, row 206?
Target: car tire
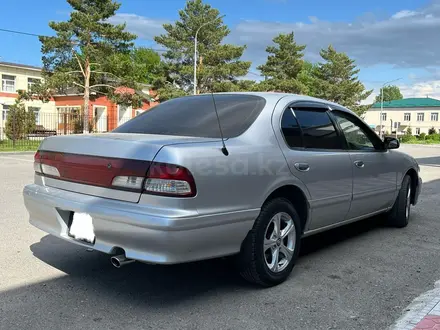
column 401, row 211
column 257, row 260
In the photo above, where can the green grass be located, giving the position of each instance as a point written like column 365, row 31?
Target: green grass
column 421, row 142
column 20, row 145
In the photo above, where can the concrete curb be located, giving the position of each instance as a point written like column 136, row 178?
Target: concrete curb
column 5, row 153
column 426, row 304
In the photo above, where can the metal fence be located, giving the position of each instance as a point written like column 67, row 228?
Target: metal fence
column 18, row 133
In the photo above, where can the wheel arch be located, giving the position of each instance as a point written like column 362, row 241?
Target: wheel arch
column 297, row 197
column 414, row 182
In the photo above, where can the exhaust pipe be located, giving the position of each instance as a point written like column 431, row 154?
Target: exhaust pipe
column 120, row 260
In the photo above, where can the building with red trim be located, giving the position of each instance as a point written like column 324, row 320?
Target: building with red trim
column 61, row 115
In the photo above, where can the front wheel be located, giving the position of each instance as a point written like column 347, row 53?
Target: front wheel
column 401, row 211
column 271, row 248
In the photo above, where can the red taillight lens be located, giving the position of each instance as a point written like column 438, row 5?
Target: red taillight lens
column 170, row 180
column 125, row 174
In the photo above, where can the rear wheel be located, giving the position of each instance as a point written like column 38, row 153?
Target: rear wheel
column 271, row 248
column 401, row 211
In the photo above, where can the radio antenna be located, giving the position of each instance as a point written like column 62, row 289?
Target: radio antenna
column 224, row 150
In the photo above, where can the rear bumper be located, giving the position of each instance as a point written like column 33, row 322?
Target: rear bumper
column 160, row 239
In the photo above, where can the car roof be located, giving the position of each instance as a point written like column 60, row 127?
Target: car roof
column 274, row 97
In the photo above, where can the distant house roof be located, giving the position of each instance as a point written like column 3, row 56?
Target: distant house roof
column 417, row 102
column 23, row 66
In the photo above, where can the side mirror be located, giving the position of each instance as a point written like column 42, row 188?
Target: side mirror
column 391, row 143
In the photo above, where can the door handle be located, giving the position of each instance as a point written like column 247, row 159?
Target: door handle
column 359, row 163
column 302, row 167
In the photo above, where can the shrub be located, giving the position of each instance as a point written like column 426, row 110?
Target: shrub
column 433, row 137
column 422, row 136
column 409, row 130
column 19, row 122
column 408, row 138
column 432, row 131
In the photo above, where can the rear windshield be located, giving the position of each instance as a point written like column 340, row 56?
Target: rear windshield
column 195, row 116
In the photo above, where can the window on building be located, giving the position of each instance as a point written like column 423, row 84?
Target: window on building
column 8, row 83
column 36, row 112
column 68, row 109
column 396, row 124
column 5, row 112
column 434, row 116
column 32, row 81
column 420, row 116
column 417, row 131
column 407, row 116
column 317, row 129
column 384, row 116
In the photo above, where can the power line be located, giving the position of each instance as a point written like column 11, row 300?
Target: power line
column 20, row 32
column 40, row 35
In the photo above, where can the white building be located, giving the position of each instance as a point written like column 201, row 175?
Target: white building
column 15, row 77
column 420, row 114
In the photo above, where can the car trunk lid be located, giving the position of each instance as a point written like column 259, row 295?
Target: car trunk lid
column 88, row 164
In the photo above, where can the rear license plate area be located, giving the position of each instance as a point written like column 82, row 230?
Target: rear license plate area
column 81, row 227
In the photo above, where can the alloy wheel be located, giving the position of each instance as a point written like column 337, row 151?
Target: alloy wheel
column 279, row 242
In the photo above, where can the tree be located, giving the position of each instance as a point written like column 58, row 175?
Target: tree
column 141, row 64
column 283, row 65
column 409, row 130
column 80, row 50
column 19, row 122
column 390, row 93
column 217, row 62
column 308, row 77
column 432, row 131
column 338, row 81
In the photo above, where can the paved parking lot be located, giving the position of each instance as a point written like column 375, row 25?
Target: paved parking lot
column 357, row 277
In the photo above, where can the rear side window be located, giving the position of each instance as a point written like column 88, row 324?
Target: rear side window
column 195, row 116
column 291, row 130
column 317, row 129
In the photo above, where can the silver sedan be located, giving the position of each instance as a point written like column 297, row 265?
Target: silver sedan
column 235, row 174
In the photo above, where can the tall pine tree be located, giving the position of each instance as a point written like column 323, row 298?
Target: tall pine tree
column 77, row 54
column 219, row 64
column 283, row 66
column 338, row 81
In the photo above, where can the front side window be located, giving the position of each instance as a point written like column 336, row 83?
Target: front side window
column 317, row 129
column 420, row 116
column 8, row 83
column 357, row 135
column 417, row 131
column 384, row 116
column 407, row 116
column 195, row 116
column 291, row 130
column 434, row 116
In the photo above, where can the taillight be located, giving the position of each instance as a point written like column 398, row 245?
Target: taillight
column 170, row 180
column 117, row 173
column 37, row 163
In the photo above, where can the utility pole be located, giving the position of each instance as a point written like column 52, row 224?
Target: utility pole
column 381, row 104
column 195, row 50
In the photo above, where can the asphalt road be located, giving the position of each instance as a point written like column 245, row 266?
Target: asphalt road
column 357, row 277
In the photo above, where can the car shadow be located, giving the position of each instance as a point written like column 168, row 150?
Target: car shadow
column 173, row 282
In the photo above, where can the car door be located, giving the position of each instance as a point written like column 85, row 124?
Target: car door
column 374, row 173
column 314, row 151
